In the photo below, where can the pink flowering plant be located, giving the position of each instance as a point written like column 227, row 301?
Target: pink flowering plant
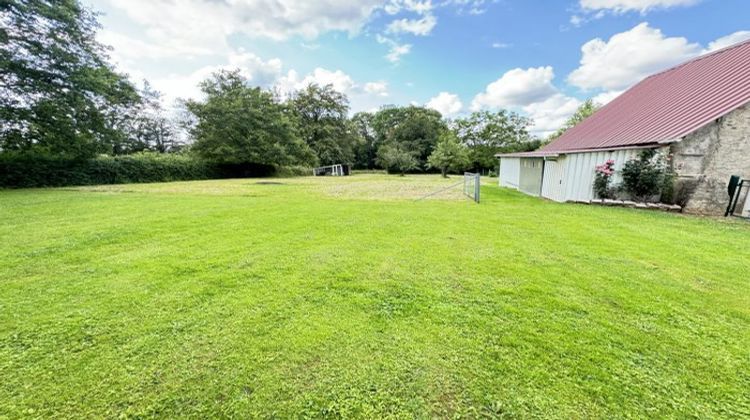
column 604, row 173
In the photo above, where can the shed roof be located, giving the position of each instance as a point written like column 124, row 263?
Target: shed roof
column 664, row 107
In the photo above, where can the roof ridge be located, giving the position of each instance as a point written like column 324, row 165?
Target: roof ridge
column 700, row 57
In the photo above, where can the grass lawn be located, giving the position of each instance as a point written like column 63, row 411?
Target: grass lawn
column 332, row 297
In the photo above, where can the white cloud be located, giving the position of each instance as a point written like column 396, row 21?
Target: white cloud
column 471, row 7
column 126, row 49
column 379, row 88
column 530, row 91
column 551, row 114
column 257, row 71
column 642, row 6
column 501, row 45
column 396, row 50
column 628, row 57
column 162, row 24
column 517, row 87
column 201, row 27
column 576, row 20
column 606, row 97
column 446, row 103
column 395, row 6
column 268, row 74
column 420, row 27
column 362, row 96
column 728, row 40
column 340, row 81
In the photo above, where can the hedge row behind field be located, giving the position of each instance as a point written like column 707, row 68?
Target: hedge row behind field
column 43, row 171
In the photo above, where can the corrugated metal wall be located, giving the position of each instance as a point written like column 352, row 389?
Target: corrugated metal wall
column 510, row 171
column 531, row 176
column 554, row 177
column 572, row 176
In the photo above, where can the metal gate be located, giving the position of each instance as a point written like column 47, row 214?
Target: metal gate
column 472, row 183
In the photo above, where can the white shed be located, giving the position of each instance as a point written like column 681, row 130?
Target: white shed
column 563, row 176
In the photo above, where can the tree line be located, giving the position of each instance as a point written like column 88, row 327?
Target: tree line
column 61, row 98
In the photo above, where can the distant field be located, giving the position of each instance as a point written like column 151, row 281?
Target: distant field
column 345, row 297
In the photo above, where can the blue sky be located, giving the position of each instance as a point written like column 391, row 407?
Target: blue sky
column 539, row 58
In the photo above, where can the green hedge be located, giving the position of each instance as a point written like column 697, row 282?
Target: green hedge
column 29, row 171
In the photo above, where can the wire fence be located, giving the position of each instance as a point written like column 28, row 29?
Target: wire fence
column 472, row 182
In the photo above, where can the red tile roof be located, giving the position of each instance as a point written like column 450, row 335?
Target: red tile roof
column 666, row 106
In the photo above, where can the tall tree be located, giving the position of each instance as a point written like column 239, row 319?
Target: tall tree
column 58, row 94
column 413, row 129
column 584, row 111
column 322, row 120
column 488, row 133
column 151, row 128
column 365, row 153
column 241, row 124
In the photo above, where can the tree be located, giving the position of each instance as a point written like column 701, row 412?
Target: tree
column 58, row 94
column 449, row 155
column 367, row 145
column 395, row 159
column 147, row 126
column 321, row 114
column 584, row 111
column 240, row 124
column 489, row 133
column 414, row 129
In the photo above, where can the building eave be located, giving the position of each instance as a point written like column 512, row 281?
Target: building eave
column 558, row 153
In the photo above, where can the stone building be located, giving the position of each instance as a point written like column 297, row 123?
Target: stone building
column 697, row 114
column 710, row 156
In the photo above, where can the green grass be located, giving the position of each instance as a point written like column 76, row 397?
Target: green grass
column 334, row 297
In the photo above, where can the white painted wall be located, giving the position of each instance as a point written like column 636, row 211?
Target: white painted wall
column 554, row 177
column 510, row 172
column 571, row 177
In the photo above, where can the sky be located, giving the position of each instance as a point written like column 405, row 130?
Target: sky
column 540, row 58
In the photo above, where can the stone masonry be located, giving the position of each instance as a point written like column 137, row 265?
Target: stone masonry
column 709, row 156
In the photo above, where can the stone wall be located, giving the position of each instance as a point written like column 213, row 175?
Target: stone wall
column 709, row 156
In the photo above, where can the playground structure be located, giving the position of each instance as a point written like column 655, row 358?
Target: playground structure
column 332, row 170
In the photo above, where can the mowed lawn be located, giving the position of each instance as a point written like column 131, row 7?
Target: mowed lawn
column 345, row 297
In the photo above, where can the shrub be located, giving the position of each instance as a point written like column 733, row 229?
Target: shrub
column 643, row 178
column 33, row 170
column 292, row 171
column 667, row 194
column 604, row 173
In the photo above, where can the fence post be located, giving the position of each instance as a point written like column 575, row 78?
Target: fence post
column 476, row 187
